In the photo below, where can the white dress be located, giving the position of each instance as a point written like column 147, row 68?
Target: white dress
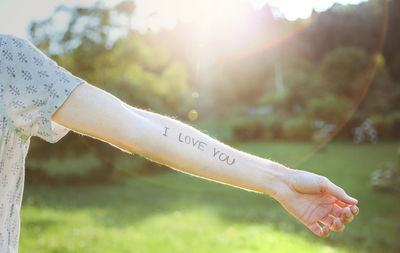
column 32, row 88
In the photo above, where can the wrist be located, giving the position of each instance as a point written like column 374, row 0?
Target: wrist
column 275, row 178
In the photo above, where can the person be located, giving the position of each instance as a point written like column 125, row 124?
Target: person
column 39, row 98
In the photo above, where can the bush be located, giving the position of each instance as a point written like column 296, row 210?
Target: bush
column 78, row 159
column 346, row 133
column 329, row 108
column 274, row 131
column 297, row 129
column 249, row 131
column 345, row 70
column 221, row 128
column 267, row 127
column 387, row 126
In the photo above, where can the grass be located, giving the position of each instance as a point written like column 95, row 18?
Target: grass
column 173, row 212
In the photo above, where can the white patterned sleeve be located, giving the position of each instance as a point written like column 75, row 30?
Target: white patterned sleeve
column 34, row 87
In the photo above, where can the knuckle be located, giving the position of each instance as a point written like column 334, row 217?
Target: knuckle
column 338, row 226
column 347, row 217
column 325, row 181
column 324, row 184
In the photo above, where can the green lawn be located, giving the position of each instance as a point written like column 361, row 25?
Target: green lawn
column 173, row 212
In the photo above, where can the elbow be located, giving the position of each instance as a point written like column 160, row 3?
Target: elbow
column 140, row 135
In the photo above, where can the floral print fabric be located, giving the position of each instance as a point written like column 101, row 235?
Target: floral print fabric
column 32, row 88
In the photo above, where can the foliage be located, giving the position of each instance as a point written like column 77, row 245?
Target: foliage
column 249, row 131
column 346, row 71
column 138, row 72
column 297, row 129
column 331, row 66
column 387, row 126
column 329, row 108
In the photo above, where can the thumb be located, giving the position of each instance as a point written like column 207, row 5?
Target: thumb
column 339, row 193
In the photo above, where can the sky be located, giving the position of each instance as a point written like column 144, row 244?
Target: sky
column 15, row 15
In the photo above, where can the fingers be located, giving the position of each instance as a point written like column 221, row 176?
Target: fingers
column 327, row 220
column 337, row 225
column 335, row 220
column 354, row 209
column 341, row 203
column 347, row 215
column 347, row 212
column 321, row 232
column 336, row 211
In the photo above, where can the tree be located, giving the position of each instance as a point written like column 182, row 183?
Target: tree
column 99, row 46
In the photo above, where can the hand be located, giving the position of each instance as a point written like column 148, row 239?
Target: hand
column 312, row 199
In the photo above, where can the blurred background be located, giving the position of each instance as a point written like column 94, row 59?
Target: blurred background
column 314, row 85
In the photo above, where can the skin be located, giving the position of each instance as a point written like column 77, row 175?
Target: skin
column 308, row 197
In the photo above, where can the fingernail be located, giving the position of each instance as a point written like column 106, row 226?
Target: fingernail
column 355, row 210
column 346, row 212
column 336, row 223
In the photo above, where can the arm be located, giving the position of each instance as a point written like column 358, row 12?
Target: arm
column 310, row 198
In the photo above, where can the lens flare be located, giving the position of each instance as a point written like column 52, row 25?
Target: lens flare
column 193, row 115
column 364, row 89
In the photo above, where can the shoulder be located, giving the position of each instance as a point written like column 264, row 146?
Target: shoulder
column 6, row 37
column 17, row 44
column 12, row 47
column 11, row 40
column 4, row 42
column 21, row 51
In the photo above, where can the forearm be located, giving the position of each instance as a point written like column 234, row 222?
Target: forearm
column 98, row 114
column 182, row 147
